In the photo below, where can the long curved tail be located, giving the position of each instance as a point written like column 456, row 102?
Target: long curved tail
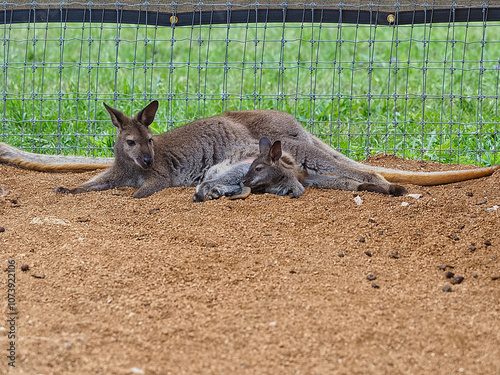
column 50, row 163
column 431, row 178
column 415, row 178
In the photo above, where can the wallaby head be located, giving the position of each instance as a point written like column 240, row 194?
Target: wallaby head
column 134, row 141
column 274, row 171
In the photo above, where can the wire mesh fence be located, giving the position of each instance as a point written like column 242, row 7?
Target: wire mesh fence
column 408, row 78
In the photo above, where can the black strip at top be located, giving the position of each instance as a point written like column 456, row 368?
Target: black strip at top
column 306, row 15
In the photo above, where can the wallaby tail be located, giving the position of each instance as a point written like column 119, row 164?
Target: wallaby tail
column 431, row 178
column 50, row 163
column 415, row 178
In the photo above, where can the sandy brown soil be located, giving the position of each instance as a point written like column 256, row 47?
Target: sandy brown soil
column 268, row 285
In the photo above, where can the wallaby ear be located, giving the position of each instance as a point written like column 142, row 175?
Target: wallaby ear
column 264, row 145
column 117, row 117
column 147, row 115
column 275, row 151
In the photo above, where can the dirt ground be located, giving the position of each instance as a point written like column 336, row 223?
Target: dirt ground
column 268, row 285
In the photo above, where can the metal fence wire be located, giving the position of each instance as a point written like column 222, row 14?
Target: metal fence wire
column 418, row 79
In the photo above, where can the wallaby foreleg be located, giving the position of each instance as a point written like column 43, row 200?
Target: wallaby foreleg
column 103, row 181
column 111, row 178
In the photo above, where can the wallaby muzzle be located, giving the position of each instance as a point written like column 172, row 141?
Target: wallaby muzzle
column 145, row 161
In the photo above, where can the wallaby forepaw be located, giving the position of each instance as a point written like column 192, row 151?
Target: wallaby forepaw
column 62, row 190
column 214, row 194
column 198, row 197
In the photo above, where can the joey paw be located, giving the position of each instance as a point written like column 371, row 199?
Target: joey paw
column 214, row 193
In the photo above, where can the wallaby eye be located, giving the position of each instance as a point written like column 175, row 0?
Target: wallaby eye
column 258, row 169
column 131, row 142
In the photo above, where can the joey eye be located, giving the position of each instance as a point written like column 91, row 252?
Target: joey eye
column 150, row 140
column 258, row 169
column 130, row 142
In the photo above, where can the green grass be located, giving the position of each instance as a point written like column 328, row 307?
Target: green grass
column 418, row 92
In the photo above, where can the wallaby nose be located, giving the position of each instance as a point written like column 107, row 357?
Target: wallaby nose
column 147, row 160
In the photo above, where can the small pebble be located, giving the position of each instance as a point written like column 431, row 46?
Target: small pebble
column 487, row 243
column 293, row 271
column 449, row 274
column 469, row 194
column 341, row 255
column 375, row 285
column 361, row 239
column 394, row 255
column 447, row 288
column 371, row 277
column 368, row 253
column 472, row 248
column 25, row 267
column 457, row 280
column 135, row 370
column 495, row 277
column 2, row 229
column 381, row 232
column 474, row 275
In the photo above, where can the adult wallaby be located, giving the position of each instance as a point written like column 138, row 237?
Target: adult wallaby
column 182, row 156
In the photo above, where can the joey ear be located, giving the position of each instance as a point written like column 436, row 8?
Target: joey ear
column 147, row 115
column 275, row 151
column 117, row 117
column 264, row 145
